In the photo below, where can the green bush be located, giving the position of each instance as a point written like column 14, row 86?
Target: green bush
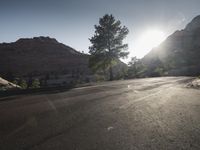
column 35, row 84
column 16, row 81
column 23, row 84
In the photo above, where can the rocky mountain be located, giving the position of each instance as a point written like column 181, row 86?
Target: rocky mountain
column 41, row 57
column 179, row 54
column 46, row 59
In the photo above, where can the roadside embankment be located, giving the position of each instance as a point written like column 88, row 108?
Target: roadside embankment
column 194, row 83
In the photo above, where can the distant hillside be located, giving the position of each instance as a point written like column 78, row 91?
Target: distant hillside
column 39, row 56
column 46, row 59
column 179, row 54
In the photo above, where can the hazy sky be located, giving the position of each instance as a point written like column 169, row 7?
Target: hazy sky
column 72, row 21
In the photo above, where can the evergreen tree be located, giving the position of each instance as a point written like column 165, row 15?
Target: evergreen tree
column 107, row 44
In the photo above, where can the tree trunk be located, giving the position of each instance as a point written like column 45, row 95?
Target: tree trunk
column 111, row 73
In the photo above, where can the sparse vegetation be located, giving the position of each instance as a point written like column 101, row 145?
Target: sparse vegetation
column 35, row 84
column 136, row 68
column 23, row 84
column 16, row 81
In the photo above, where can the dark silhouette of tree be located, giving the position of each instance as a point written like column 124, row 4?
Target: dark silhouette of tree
column 107, row 44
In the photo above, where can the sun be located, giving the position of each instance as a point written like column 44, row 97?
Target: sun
column 147, row 41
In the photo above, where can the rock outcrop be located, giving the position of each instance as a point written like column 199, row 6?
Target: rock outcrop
column 179, row 54
column 38, row 56
column 6, row 85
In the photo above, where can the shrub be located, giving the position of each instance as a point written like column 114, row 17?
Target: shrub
column 35, row 83
column 16, row 81
column 23, row 84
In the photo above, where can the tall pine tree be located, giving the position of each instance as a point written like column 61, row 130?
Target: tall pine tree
column 107, row 44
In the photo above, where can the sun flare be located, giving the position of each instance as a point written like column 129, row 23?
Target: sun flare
column 148, row 40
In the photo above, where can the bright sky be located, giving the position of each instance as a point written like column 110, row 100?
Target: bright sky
column 72, row 21
column 147, row 40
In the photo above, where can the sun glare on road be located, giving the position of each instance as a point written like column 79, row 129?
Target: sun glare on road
column 148, row 40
